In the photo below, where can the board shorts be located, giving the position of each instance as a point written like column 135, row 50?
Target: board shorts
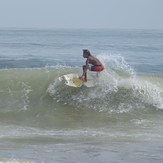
column 96, row 68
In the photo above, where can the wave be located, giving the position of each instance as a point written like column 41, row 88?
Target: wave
column 30, row 94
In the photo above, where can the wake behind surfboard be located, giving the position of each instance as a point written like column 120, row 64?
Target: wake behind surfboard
column 74, row 81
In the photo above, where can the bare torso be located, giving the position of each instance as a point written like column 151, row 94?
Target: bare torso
column 94, row 61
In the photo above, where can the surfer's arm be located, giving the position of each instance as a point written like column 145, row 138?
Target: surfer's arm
column 85, row 67
column 84, row 75
column 87, row 63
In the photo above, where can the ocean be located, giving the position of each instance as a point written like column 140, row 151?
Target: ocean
column 120, row 120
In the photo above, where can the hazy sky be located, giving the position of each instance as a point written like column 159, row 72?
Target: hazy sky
column 121, row 14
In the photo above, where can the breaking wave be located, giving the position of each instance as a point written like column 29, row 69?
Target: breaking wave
column 31, row 94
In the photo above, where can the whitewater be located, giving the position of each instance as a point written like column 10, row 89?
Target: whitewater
column 118, row 120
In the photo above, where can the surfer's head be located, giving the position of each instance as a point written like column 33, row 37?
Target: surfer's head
column 86, row 53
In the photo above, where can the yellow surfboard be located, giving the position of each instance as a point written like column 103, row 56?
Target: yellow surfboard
column 74, row 81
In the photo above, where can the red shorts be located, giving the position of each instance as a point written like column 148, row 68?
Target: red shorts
column 97, row 68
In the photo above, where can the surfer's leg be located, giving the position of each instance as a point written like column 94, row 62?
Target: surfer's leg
column 98, row 73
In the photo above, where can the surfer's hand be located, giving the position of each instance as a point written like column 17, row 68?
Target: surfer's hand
column 83, row 78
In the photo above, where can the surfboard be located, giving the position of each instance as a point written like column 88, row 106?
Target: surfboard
column 74, row 81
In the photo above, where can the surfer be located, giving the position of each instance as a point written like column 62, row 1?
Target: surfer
column 96, row 64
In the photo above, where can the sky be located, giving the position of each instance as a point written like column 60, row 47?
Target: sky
column 87, row 14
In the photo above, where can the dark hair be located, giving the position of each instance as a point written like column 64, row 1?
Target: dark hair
column 86, row 51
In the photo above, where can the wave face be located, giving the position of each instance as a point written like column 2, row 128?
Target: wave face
column 35, row 97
